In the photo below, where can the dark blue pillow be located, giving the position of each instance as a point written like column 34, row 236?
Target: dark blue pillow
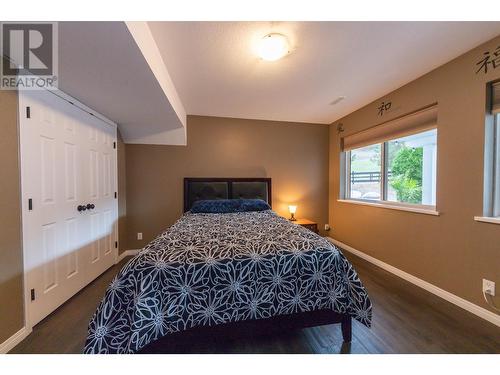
column 247, row 205
column 224, row 206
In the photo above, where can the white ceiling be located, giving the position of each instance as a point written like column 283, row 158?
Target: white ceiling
column 103, row 66
column 216, row 73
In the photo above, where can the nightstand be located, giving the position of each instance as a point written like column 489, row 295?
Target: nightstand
column 311, row 225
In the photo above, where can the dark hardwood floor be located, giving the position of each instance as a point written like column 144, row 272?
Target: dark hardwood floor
column 406, row 319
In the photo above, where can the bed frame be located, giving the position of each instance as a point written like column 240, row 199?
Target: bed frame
column 181, row 342
column 249, row 188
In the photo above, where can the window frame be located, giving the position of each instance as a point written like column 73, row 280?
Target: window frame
column 491, row 174
column 345, row 182
column 496, row 168
column 491, row 205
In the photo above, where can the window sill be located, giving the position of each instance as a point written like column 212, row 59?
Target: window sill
column 486, row 219
column 418, row 210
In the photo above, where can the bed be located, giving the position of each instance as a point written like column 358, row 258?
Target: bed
column 234, row 270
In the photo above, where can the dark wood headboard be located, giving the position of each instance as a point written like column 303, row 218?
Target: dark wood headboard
column 225, row 188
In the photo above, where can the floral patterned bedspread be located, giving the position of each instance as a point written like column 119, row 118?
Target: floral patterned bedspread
column 210, row 269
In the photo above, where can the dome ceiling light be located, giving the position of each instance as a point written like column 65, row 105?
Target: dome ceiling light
column 273, row 47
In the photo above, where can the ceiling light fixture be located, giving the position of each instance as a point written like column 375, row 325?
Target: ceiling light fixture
column 273, row 47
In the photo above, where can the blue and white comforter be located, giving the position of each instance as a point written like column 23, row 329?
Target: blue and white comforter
column 210, row 269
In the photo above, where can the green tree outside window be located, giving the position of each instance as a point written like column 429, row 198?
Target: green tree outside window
column 406, row 177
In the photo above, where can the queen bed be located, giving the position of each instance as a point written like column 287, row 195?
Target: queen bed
column 229, row 262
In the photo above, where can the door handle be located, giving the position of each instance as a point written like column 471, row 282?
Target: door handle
column 90, row 206
column 81, row 208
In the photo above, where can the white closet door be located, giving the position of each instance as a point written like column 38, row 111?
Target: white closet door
column 60, row 242
column 99, row 188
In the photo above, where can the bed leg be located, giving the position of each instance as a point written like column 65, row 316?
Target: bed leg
column 346, row 328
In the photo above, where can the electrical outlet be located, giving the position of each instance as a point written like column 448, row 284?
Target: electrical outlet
column 489, row 287
column 139, row 236
column 327, row 227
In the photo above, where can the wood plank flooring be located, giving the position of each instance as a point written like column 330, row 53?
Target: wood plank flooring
column 406, row 319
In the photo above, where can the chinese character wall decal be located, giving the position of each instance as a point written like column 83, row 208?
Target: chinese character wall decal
column 489, row 60
column 384, row 107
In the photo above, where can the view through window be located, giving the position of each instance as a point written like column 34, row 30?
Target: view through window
column 401, row 170
column 365, row 172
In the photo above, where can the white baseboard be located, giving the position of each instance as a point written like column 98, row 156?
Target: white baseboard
column 13, row 340
column 456, row 300
column 127, row 253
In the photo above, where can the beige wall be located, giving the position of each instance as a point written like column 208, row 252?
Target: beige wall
column 294, row 155
column 11, row 258
column 451, row 251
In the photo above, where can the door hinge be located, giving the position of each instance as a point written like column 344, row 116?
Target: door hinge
column 116, row 244
column 32, row 294
column 28, row 112
column 114, row 144
column 116, row 194
column 30, row 204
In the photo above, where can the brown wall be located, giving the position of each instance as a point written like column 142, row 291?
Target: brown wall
column 451, row 251
column 11, row 257
column 294, row 155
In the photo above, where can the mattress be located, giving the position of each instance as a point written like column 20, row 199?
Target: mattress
column 210, row 269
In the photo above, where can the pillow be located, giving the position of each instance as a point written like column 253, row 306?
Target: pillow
column 224, row 206
column 248, row 205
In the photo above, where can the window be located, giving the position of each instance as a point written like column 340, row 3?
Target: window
column 495, row 206
column 411, row 169
column 492, row 157
column 398, row 168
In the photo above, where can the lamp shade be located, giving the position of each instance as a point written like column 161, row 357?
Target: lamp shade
column 292, row 209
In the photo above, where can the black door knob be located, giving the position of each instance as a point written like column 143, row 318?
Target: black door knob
column 81, row 208
column 90, row 206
